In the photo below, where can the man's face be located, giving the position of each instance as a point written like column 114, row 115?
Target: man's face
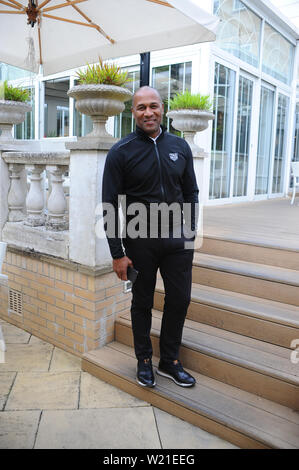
column 148, row 111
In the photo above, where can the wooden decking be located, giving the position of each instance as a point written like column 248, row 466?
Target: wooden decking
column 237, row 341
column 273, row 223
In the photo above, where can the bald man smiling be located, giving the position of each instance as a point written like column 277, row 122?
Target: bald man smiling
column 153, row 168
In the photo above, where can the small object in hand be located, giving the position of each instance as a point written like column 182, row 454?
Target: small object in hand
column 132, row 274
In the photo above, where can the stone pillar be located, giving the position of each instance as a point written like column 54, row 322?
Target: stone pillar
column 199, row 160
column 87, row 160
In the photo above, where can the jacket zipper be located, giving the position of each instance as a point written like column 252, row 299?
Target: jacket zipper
column 160, row 170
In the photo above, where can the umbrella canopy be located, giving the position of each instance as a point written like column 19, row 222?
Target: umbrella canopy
column 64, row 34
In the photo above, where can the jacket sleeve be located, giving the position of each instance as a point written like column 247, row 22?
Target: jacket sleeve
column 190, row 190
column 113, row 186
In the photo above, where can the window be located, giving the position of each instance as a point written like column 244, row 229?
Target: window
column 170, row 80
column 237, row 6
column 295, row 156
column 243, row 136
column 9, row 72
column 124, row 123
column 265, row 143
column 62, row 119
column 221, row 147
column 280, row 144
column 296, row 137
column 239, row 30
column 277, row 55
column 25, row 130
column 57, row 108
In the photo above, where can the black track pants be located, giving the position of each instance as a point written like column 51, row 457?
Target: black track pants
column 175, row 264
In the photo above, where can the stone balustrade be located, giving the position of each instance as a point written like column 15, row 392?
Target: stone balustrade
column 36, row 212
column 60, row 284
column 36, row 199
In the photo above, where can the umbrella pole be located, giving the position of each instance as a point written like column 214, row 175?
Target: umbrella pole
column 145, row 60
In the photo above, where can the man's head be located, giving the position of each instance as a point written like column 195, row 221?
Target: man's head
column 147, row 109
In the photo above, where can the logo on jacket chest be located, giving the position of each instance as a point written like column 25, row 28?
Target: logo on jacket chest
column 173, row 156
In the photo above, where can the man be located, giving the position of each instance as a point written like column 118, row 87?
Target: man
column 152, row 166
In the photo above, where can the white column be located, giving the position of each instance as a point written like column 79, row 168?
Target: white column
column 200, row 160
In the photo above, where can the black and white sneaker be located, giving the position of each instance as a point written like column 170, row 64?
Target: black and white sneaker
column 145, row 374
column 174, row 370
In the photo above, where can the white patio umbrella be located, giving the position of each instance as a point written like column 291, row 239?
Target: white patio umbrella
column 64, row 34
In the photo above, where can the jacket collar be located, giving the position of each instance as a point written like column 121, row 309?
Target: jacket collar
column 140, row 132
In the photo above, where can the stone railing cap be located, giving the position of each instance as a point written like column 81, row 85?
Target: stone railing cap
column 42, row 158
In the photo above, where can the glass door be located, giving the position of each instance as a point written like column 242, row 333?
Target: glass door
column 271, row 155
column 231, row 133
column 222, row 132
column 243, row 137
column 265, row 139
column 280, row 144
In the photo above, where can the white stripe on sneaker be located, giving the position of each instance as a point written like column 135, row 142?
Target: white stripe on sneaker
column 172, row 378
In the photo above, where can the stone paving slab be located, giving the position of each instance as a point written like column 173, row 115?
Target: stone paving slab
column 12, row 334
column 27, row 357
column 95, row 393
column 120, row 428
column 62, row 360
column 36, row 340
column 186, row 436
column 44, row 390
column 18, row 429
column 6, row 381
column 81, row 411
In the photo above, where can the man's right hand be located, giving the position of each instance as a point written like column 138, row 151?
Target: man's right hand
column 120, row 266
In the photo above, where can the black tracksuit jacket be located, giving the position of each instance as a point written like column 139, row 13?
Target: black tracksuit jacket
column 149, row 172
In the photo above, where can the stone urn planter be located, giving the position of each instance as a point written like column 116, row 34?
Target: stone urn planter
column 190, row 121
column 11, row 112
column 99, row 102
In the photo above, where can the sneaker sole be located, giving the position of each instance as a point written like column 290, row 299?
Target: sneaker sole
column 145, row 385
column 172, row 378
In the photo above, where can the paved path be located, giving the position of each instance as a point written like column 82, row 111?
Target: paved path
column 47, row 402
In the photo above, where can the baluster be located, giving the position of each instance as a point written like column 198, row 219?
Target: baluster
column 16, row 195
column 35, row 197
column 57, row 203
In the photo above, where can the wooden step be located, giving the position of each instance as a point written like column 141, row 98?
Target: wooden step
column 266, row 320
column 232, row 414
column 246, row 363
column 259, row 280
column 249, row 251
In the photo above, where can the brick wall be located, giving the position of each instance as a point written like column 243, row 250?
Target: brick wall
column 63, row 303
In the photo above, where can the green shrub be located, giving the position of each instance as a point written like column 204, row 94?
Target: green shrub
column 188, row 101
column 103, row 73
column 15, row 93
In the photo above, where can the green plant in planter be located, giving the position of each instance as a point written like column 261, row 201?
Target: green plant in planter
column 11, row 93
column 103, row 73
column 188, row 100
